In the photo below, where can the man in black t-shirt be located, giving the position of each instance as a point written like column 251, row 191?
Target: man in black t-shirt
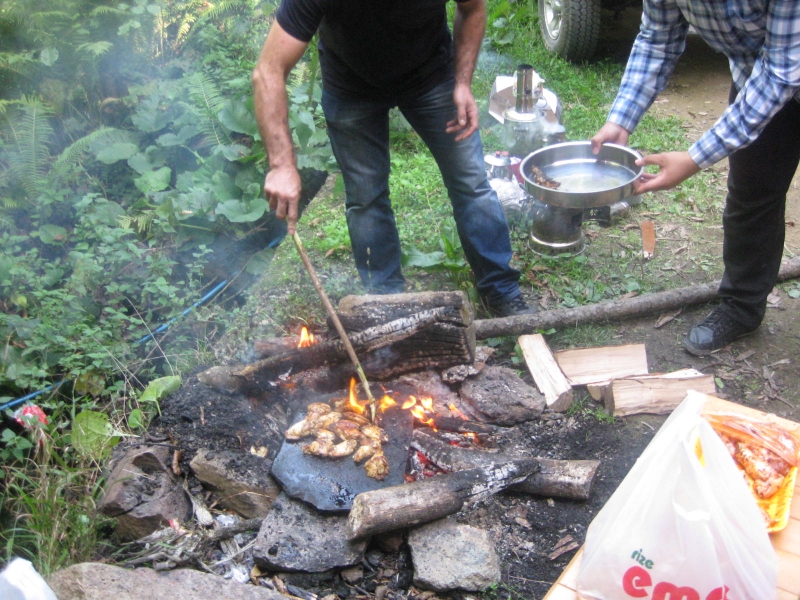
column 375, row 55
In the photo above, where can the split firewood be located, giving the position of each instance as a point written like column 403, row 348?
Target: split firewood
column 612, row 310
column 655, row 394
column 570, row 479
column 402, row 506
column 584, row 366
column 546, row 373
column 648, row 239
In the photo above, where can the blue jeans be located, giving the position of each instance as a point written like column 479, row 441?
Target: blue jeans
column 359, row 134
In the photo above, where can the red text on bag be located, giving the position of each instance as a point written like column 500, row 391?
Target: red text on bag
column 636, row 580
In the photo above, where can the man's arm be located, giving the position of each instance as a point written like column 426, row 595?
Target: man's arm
column 280, row 54
column 774, row 81
column 468, row 27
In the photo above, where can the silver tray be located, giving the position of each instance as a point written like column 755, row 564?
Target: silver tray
column 587, row 180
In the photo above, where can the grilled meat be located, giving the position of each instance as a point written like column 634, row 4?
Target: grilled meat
column 543, row 180
column 377, row 467
column 374, row 432
column 346, row 429
column 329, row 449
column 368, row 447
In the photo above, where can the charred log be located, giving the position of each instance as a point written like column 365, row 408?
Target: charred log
column 555, row 478
column 410, row 504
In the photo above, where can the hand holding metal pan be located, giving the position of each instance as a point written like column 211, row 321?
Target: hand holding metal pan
column 585, row 180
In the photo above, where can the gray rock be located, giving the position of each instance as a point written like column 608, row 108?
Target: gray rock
column 97, row 581
column 449, row 556
column 142, row 492
column 501, row 397
column 297, row 537
column 242, row 481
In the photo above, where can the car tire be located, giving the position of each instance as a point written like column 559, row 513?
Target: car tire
column 570, row 28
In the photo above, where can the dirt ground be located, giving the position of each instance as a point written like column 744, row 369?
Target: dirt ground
column 759, row 371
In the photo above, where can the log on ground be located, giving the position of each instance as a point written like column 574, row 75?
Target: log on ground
column 613, row 310
column 401, row 506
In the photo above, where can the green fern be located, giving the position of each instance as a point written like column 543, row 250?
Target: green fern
column 28, row 133
column 227, row 7
column 73, row 154
column 207, row 102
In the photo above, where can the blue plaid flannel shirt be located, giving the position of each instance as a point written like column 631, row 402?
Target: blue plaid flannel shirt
column 761, row 39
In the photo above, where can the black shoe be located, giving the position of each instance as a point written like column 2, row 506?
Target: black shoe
column 716, row 331
column 510, row 308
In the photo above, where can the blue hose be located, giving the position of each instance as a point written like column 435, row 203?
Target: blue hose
column 217, row 289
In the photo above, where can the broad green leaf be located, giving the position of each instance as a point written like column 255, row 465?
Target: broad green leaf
column 116, row 152
column 237, row 117
column 92, row 434
column 259, row 262
column 247, row 211
column 136, row 419
column 107, row 213
column 423, row 260
column 154, row 9
column 224, row 187
column 48, row 56
column 154, row 181
column 234, row 151
column 52, row 234
column 158, row 388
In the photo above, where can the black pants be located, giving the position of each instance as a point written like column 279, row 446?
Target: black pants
column 753, row 221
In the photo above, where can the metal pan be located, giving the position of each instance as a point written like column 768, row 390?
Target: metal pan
column 587, row 180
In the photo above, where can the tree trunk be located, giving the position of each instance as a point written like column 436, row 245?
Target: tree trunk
column 402, row 506
column 612, row 310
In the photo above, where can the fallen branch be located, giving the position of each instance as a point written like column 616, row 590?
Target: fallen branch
column 612, row 310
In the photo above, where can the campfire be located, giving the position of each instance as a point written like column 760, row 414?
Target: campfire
column 340, row 429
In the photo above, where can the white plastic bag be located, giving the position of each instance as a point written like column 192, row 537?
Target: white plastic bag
column 678, row 529
column 20, row 581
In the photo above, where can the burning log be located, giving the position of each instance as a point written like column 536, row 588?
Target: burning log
column 457, row 425
column 447, row 342
column 335, row 351
column 555, row 478
column 423, row 501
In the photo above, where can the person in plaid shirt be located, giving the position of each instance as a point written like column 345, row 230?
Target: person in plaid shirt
column 759, row 133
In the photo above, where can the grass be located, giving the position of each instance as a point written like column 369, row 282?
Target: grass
column 48, row 508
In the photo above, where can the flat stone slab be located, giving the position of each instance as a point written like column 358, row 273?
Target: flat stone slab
column 97, row 581
column 449, row 556
column 332, row 483
column 499, row 396
column 296, row 537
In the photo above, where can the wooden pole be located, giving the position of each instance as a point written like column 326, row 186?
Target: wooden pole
column 312, row 272
column 612, row 310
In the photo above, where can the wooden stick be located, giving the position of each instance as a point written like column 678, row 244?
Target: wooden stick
column 612, row 310
column 312, row 272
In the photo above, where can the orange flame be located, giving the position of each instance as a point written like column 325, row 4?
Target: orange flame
column 472, row 436
column 457, row 412
column 386, row 402
column 353, row 400
column 409, row 403
column 427, row 403
column 306, row 338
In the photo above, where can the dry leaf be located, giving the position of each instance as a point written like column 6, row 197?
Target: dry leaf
column 666, row 318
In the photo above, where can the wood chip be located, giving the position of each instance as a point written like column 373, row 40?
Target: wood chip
column 523, row 522
column 648, row 238
column 563, row 550
column 666, row 318
column 564, row 540
column 745, row 356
